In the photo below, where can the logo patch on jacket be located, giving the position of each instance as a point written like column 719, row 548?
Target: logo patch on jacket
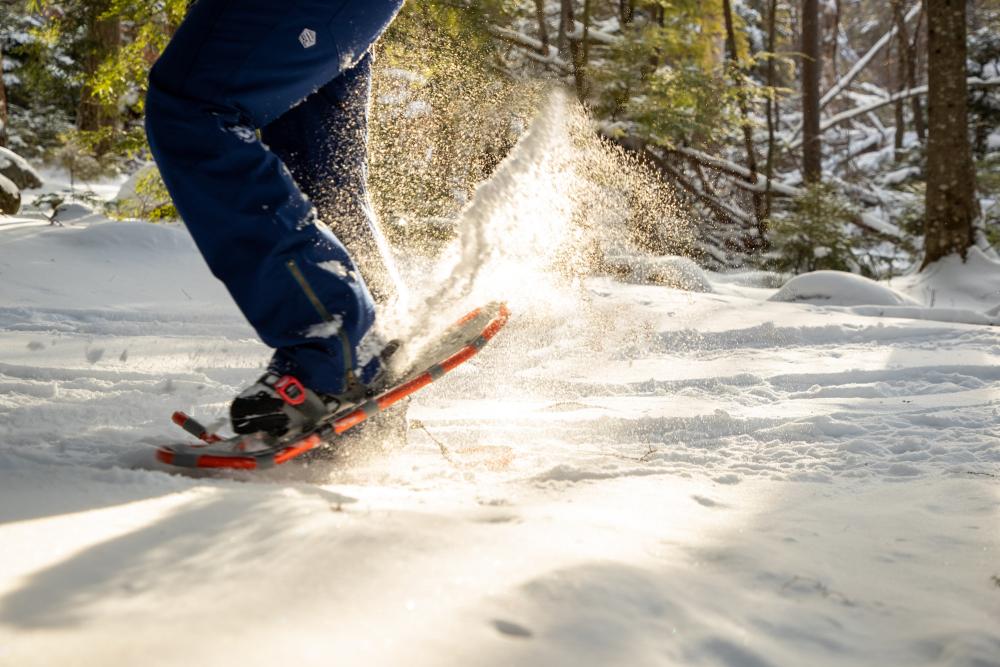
column 307, row 38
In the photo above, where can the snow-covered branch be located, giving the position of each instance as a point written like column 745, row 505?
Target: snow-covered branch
column 533, row 46
column 593, row 34
column 892, row 99
column 742, row 173
column 865, row 221
column 646, row 153
column 859, row 66
column 718, row 206
column 537, row 51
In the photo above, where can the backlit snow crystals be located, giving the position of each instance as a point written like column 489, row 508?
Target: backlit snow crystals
column 307, row 38
column 247, row 135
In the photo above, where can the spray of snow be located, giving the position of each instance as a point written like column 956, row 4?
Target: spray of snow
column 528, row 234
column 325, row 329
column 336, row 268
column 518, row 220
column 371, row 346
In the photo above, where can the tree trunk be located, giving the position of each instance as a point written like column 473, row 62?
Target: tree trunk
column 917, row 106
column 626, row 11
column 907, row 72
column 901, row 78
column 772, row 102
column 3, row 104
column 950, row 188
column 582, row 86
column 103, row 40
column 576, row 48
column 829, row 39
column 812, row 67
column 733, row 62
column 565, row 26
column 543, row 30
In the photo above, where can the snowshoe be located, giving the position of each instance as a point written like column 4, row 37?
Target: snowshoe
column 308, row 429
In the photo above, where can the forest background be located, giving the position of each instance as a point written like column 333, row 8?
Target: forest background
column 792, row 136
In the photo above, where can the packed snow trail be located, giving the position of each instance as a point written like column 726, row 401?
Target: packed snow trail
column 630, row 474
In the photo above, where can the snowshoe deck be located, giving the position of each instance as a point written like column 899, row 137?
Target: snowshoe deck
column 462, row 341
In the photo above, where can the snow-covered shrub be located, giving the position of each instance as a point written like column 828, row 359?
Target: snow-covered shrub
column 69, row 205
column 79, row 162
column 40, row 77
column 812, row 235
column 33, row 132
column 144, row 196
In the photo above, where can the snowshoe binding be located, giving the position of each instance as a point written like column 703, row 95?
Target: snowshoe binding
column 280, row 405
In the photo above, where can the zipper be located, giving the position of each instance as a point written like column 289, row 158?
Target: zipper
column 345, row 341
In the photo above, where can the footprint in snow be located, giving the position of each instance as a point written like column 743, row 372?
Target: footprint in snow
column 498, row 518
column 706, row 502
column 512, row 629
column 728, row 478
column 94, row 355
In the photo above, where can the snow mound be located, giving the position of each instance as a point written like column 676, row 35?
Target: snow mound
column 132, row 239
column 94, row 274
column 675, row 272
column 837, row 288
column 951, row 283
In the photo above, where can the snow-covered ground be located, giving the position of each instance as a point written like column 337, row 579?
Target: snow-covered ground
column 630, row 475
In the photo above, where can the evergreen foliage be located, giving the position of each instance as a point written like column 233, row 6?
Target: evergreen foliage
column 664, row 78
column 111, row 77
column 812, row 235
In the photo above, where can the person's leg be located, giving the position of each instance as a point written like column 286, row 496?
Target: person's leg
column 232, row 67
column 324, row 143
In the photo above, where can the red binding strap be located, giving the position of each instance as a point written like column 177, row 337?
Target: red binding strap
column 291, row 390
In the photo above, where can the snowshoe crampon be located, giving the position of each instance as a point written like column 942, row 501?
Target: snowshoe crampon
column 459, row 343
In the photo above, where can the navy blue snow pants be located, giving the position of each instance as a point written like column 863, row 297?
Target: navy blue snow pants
column 299, row 72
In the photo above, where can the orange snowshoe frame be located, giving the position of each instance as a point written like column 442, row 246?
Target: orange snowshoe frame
column 216, row 452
